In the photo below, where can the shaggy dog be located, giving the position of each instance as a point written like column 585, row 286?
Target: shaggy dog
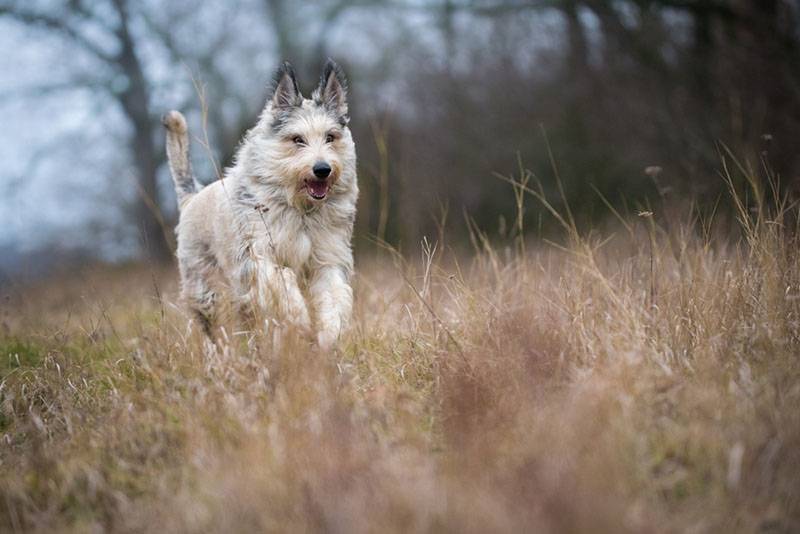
column 278, row 225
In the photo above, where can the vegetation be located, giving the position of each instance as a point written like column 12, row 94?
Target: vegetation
column 640, row 380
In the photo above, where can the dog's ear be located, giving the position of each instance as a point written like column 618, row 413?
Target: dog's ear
column 285, row 94
column 332, row 90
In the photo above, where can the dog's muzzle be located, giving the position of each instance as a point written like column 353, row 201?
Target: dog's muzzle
column 318, row 188
column 321, row 169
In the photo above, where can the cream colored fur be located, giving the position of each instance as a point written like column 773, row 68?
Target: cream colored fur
column 280, row 252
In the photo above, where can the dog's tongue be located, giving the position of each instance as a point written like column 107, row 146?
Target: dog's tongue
column 318, row 188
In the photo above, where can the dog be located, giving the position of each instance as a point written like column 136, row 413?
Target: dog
column 278, row 225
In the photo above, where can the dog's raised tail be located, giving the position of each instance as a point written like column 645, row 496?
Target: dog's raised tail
column 178, row 156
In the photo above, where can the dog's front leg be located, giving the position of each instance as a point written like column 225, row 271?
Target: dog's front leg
column 332, row 298
column 279, row 291
column 272, row 288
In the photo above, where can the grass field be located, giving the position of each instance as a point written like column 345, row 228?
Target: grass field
column 645, row 379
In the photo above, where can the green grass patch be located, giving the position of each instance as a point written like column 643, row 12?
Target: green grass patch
column 17, row 354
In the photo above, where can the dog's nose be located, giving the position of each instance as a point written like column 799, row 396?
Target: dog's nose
column 321, row 169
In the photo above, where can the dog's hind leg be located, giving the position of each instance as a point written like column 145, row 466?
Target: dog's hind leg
column 198, row 292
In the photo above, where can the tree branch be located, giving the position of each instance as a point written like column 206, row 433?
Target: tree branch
column 58, row 87
column 60, row 25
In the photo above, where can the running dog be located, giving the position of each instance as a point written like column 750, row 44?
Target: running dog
column 276, row 229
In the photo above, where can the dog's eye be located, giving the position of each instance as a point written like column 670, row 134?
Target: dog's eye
column 330, row 138
column 298, row 140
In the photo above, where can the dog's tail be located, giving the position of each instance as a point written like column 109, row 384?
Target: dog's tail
column 178, row 156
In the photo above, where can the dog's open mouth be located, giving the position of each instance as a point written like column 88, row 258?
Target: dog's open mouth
column 317, row 189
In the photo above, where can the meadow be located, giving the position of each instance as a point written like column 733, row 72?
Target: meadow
column 643, row 376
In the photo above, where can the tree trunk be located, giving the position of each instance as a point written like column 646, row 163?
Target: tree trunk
column 136, row 105
column 578, row 51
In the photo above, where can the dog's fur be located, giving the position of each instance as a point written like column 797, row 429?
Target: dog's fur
column 263, row 227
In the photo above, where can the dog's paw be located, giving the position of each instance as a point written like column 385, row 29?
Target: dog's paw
column 326, row 339
column 301, row 319
column 328, row 333
column 296, row 313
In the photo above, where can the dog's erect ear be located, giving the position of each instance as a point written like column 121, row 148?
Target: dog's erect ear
column 286, row 95
column 332, row 90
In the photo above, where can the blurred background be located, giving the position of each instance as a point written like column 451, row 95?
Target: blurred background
column 631, row 102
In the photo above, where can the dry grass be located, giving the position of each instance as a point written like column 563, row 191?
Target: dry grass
column 608, row 387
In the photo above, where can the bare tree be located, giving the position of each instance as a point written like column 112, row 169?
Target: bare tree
column 116, row 53
column 307, row 50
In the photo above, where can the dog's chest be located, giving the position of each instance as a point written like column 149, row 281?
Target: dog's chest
column 293, row 239
column 293, row 246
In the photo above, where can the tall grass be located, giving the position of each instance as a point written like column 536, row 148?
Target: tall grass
column 640, row 380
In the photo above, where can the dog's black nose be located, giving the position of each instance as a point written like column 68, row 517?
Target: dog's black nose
column 321, row 169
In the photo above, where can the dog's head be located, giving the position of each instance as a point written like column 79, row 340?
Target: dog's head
column 304, row 144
